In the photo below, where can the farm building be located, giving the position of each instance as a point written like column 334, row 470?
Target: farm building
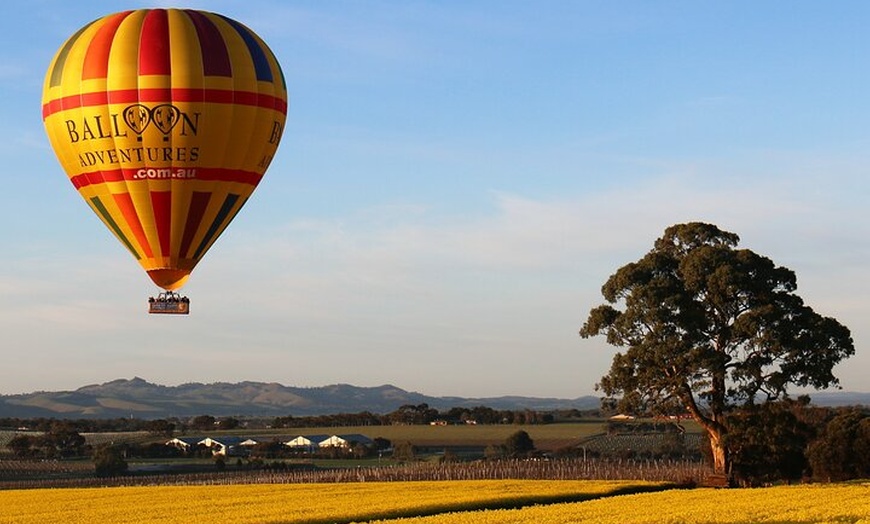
column 185, row 444
column 306, row 442
column 313, row 442
column 225, row 446
column 346, row 441
column 235, row 446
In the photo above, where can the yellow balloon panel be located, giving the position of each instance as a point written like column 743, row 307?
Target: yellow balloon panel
column 165, row 120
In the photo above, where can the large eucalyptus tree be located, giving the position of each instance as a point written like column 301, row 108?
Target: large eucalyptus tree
column 707, row 327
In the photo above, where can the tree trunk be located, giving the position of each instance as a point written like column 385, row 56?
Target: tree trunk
column 720, row 453
column 713, row 426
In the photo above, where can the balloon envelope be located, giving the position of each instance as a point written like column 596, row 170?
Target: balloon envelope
column 165, row 120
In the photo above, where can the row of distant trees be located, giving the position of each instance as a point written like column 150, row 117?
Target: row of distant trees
column 60, row 439
column 423, row 414
column 406, row 414
column 92, row 425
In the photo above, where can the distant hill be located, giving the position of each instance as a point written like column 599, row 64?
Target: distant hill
column 840, row 398
column 141, row 399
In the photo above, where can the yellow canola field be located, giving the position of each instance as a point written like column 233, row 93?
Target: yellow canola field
column 286, row 503
column 804, row 504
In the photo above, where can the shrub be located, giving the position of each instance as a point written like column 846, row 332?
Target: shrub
column 842, row 451
column 109, row 462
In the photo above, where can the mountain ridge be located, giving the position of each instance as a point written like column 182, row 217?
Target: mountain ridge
column 140, row 398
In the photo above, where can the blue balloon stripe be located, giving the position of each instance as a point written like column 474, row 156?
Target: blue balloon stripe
column 258, row 54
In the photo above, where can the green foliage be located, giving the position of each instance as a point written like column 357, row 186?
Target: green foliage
column 842, row 451
column 449, row 456
column 62, row 440
column 23, row 445
column 109, row 461
column 413, row 414
column 707, row 327
column 494, row 451
column 767, row 442
column 270, row 449
column 203, row 422
column 404, row 451
column 59, row 441
column 519, row 444
column 160, row 427
column 228, row 423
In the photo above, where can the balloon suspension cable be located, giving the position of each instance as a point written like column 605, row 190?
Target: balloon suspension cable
column 169, row 303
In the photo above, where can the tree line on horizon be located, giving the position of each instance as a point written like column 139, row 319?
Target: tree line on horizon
column 410, row 414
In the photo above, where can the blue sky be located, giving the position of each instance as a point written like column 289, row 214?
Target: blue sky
column 455, row 183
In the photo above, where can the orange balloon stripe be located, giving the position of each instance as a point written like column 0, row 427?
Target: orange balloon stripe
column 132, row 96
column 154, row 58
column 161, row 203
column 125, row 204
column 210, row 174
column 96, row 64
column 56, row 76
column 101, row 209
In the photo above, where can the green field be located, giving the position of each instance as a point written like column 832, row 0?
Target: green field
column 546, row 437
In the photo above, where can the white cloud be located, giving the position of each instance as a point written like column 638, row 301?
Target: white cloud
column 479, row 280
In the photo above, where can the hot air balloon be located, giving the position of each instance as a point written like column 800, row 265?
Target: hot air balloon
column 165, row 120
